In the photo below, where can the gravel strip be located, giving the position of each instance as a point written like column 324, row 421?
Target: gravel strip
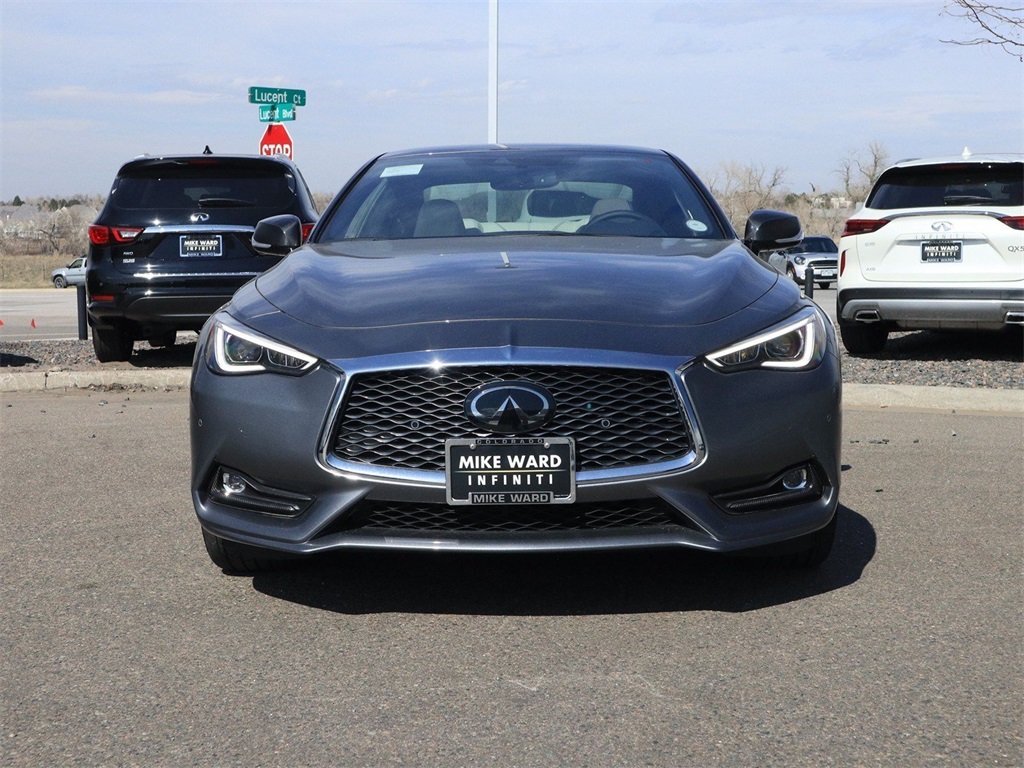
column 923, row 358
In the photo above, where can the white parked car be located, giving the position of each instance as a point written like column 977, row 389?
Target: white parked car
column 815, row 251
column 72, row 274
column 939, row 244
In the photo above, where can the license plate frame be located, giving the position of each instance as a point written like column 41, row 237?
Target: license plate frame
column 201, row 246
column 942, row 251
column 510, row 470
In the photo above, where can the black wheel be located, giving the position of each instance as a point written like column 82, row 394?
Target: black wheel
column 863, row 338
column 812, row 549
column 60, row 282
column 165, row 339
column 824, row 286
column 233, row 557
column 111, row 344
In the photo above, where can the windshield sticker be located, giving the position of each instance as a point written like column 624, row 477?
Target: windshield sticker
column 401, row 170
column 696, row 226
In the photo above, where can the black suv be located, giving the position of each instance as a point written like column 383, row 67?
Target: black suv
column 173, row 242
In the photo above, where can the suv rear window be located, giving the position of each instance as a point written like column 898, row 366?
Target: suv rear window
column 957, row 184
column 203, row 186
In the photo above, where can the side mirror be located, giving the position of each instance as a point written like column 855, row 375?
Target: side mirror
column 772, row 231
column 277, row 235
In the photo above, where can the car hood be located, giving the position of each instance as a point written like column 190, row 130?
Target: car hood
column 370, row 298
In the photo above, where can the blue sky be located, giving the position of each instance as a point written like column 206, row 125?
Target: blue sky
column 86, row 86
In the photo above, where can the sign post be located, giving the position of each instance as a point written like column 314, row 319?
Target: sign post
column 277, row 141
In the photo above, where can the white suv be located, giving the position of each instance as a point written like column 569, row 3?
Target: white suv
column 938, row 244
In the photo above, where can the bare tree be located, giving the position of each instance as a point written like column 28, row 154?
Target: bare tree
column 64, row 231
column 858, row 170
column 1000, row 24
column 742, row 189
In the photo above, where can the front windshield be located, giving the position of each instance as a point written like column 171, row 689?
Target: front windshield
column 501, row 192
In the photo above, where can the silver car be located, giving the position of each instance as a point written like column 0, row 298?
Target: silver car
column 72, row 274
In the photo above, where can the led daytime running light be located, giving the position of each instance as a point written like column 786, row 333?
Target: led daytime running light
column 755, row 351
column 263, row 354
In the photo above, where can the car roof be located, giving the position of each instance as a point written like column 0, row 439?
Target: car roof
column 967, row 157
column 144, row 161
column 476, row 148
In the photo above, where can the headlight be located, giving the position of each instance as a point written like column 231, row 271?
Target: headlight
column 799, row 260
column 798, row 344
column 234, row 350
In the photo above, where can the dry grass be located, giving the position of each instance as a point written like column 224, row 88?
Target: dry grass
column 29, row 270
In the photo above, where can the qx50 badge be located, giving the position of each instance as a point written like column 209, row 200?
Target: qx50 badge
column 510, row 407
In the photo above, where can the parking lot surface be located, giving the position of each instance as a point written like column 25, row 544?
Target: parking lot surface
column 123, row 645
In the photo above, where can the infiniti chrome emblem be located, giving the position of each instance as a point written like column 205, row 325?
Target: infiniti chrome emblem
column 199, row 217
column 942, row 226
column 510, row 407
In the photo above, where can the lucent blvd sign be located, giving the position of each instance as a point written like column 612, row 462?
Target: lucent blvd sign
column 277, row 105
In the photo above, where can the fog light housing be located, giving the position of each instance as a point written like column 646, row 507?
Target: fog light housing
column 796, row 479
column 796, row 485
column 234, row 489
column 232, row 483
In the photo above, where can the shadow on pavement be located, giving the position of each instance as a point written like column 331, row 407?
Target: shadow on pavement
column 1006, row 345
column 565, row 584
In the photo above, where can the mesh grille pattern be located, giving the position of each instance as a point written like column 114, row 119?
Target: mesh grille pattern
column 618, row 418
column 410, row 516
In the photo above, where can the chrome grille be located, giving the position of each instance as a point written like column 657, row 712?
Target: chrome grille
column 617, row 417
column 411, row 516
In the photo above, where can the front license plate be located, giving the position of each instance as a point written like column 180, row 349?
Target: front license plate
column 941, row 251
column 824, row 273
column 202, row 246
column 511, row 470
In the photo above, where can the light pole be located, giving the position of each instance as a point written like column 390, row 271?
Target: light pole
column 492, row 76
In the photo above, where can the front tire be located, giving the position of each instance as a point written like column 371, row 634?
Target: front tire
column 863, row 338
column 165, row 339
column 232, row 557
column 60, row 282
column 111, row 344
column 812, row 549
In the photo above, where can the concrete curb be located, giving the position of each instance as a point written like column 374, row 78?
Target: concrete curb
column 60, row 381
column 854, row 395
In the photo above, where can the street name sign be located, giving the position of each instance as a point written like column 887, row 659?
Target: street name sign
column 261, row 95
column 276, row 113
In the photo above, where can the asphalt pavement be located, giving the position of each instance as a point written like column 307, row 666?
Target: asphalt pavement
column 124, row 645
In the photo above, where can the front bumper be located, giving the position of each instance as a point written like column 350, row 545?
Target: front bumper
column 273, row 428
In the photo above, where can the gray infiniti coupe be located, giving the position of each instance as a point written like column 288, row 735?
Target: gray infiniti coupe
column 518, row 348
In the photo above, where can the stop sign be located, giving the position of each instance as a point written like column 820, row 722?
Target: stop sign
column 276, row 141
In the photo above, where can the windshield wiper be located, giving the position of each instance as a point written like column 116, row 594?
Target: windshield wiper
column 224, row 202
column 965, row 200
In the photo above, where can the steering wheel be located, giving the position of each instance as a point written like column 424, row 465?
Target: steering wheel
column 630, row 223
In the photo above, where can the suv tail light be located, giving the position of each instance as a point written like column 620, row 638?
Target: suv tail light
column 1016, row 222
column 306, row 229
column 100, row 235
column 863, row 226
